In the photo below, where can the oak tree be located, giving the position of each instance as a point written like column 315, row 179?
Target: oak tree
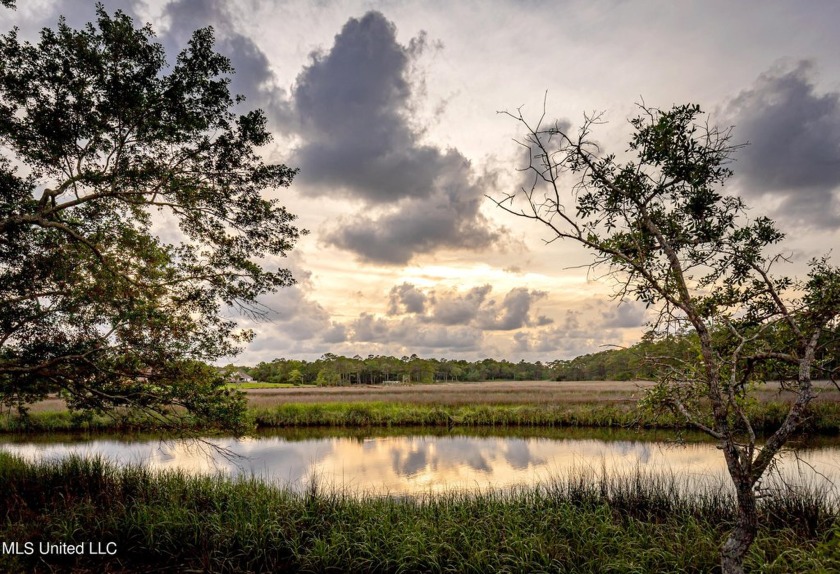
column 133, row 220
column 658, row 221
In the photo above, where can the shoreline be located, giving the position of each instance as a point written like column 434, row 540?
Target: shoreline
column 825, row 417
column 133, row 519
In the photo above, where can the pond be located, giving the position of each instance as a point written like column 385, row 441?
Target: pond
column 418, row 461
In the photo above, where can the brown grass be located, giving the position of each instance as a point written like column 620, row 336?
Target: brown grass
column 493, row 392
column 486, row 393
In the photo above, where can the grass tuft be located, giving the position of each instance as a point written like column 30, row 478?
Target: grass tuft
column 588, row 523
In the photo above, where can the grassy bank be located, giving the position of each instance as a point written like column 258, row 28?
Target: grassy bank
column 824, row 417
column 176, row 522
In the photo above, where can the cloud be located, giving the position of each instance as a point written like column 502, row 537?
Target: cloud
column 470, row 307
column 253, row 76
column 627, row 315
column 337, row 333
column 513, row 312
column 454, row 308
column 353, row 106
column 371, row 329
column 294, row 322
column 358, row 94
column 460, row 338
column 406, row 298
column 412, row 333
column 294, row 314
column 567, row 339
column 458, row 321
column 794, row 151
column 32, row 16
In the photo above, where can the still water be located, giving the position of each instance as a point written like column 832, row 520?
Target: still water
column 419, row 462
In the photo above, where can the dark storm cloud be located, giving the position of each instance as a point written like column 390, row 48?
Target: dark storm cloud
column 444, row 220
column 352, row 105
column 794, row 151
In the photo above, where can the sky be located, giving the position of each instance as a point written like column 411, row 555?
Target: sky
column 390, row 110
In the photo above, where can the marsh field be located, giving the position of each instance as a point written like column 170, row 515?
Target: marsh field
column 494, row 404
column 502, row 476
column 493, row 393
column 481, row 393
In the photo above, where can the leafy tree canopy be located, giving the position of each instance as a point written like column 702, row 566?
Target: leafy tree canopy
column 103, row 144
column 662, row 226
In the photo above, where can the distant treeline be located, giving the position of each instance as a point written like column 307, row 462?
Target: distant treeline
column 642, row 361
column 633, row 363
column 376, row 369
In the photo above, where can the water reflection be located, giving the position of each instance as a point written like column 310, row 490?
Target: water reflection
column 422, row 463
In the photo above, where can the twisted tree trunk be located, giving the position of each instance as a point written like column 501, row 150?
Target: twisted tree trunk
column 741, row 538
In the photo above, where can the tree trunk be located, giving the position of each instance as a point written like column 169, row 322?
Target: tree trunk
column 741, row 538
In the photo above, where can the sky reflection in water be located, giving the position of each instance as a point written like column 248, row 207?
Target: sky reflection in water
column 427, row 464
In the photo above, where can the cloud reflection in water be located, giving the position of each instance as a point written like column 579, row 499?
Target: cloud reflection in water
column 420, row 464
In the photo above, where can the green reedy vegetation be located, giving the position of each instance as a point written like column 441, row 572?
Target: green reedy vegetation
column 170, row 520
column 257, row 385
column 824, row 417
column 381, row 414
column 67, row 421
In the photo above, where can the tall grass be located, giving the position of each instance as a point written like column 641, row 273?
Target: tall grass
column 824, row 417
column 177, row 522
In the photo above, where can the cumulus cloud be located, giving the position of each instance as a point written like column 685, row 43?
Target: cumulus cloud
column 336, row 333
column 627, row 315
column 291, row 312
column 412, row 333
column 794, row 151
column 445, row 319
column 406, row 298
column 513, row 312
column 371, row 329
column 454, row 308
column 471, row 307
column 567, row 339
column 352, row 105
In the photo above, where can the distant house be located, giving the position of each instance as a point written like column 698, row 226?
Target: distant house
column 240, row 377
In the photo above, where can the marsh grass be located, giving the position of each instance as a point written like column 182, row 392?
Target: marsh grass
column 296, row 407
column 824, row 419
column 587, row 523
column 260, row 385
